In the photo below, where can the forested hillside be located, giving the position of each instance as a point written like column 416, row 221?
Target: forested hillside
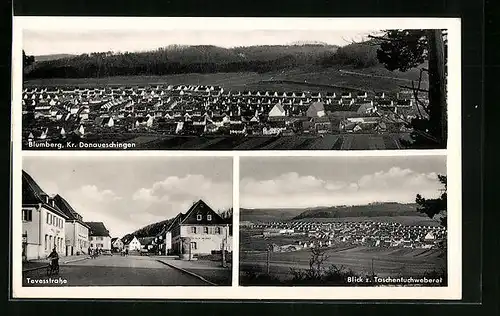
column 176, row 59
column 369, row 210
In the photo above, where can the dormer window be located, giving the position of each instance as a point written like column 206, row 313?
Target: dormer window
column 198, row 217
column 209, row 217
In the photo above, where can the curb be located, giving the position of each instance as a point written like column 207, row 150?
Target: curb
column 45, row 266
column 75, row 260
column 187, row 272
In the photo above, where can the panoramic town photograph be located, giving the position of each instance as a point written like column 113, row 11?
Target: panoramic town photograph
column 343, row 221
column 126, row 221
column 280, row 89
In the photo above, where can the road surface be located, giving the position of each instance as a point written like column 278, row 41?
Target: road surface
column 116, row 270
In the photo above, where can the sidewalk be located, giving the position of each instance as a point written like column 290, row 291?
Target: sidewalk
column 42, row 263
column 211, row 271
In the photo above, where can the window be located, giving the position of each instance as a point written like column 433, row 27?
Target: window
column 193, row 245
column 219, row 230
column 46, row 241
column 47, row 218
column 27, row 215
column 205, row 230
column 209, row 217
column 193, row 230
column 198, row 217
column 50, row 241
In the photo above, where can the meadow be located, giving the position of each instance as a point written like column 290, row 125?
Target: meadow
column 311, row 78
column 362, row 260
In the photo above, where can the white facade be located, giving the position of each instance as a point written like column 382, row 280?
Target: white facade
column 101, row 242
column 134, row 244
column 204, row 239
column 77, row 238
column 43, row 230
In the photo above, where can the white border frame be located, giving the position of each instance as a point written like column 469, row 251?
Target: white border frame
column 454, row 289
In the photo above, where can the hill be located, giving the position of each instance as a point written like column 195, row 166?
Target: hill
column 268, row 215
column 149, row 230
column 369, row 210
column 156, row 228
column 380, row 210
column 177, row 59
column 41, row 58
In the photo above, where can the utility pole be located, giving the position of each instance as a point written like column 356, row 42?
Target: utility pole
column 373, row 272
column 223, row 250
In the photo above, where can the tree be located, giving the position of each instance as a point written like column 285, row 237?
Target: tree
column 27, row 60
column 406, row 49
column 435, row 207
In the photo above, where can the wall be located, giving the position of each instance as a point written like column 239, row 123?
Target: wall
column 82, row 238
column 32, row 230
column 69, row 228
column 134, row 245
column 101, row 242
column 205, row 242
column 53, row 233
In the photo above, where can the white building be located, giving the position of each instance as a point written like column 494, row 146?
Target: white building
column 77, row 232
column 43, row 223
column 99, row 237
column 205, row 228
column 133, row 244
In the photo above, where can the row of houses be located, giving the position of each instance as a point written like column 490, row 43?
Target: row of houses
column 196, row 110
column 377, row 234
column 50, row 221
column 205, row 229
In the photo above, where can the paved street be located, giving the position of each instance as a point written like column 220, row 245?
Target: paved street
column 116, row 270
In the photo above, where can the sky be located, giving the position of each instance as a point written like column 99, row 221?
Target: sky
column 46, row 42
column 127, row 193
column 296, row 182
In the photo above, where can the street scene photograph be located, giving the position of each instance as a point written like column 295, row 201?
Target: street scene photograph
column 343, row 221
column 126, row 221
column 234, row 89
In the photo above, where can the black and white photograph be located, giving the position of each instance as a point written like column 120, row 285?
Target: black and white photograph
column 126, row 221
column 343, row 221
column 234, row 89
column 137, row 142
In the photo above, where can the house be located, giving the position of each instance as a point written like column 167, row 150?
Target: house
column 99, row 236
column 147, row 243
column 274, row 128
column 132, row 244
column 206, row 229
column 277, row 111
column 43, row 223
column 316, row 109
column 104, row 121
column 117, row 244
column 237, row 129
column 76, row 231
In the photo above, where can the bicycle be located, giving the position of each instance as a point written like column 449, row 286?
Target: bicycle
column 52, row 269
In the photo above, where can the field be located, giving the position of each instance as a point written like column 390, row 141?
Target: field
column 384, row 261
column 223, row 142
column 311, row 78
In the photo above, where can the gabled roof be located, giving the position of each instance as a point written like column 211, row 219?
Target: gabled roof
column 33, row 194
column 316, row 106
column 201, row 208
column 146, row 240
column 97, row 229
column 66, row 208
